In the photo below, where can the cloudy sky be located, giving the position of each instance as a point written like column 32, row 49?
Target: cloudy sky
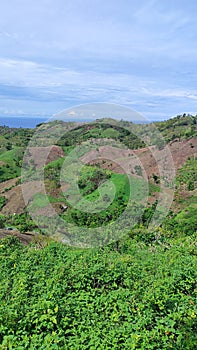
column 57, row 54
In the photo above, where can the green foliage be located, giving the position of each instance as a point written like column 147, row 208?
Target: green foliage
column 120, row 297
column 137, row 293
column 187, row 175
column 2, row 201
column 138, row 170
column 23, row 222
column 11, row 163
column 52, row 170
column 180, row 127
column 186, row 220
column 148, row 213
column 14, row 137
column 40, row 200
column 90, row 178
column 101, row 130
column 2, row 225
column 124, row 188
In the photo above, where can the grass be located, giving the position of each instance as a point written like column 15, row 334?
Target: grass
column 40, row 200
column 100, row 190
column 108, row 201
column 10, row 155
column 11, row 167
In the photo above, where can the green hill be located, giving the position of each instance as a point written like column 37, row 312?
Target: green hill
column 139, row 291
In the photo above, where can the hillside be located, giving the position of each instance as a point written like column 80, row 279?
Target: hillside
column 113, row 288
column 134, row 158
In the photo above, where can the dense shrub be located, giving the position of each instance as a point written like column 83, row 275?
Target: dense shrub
column 125, row 296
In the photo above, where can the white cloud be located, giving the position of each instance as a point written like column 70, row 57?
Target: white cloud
column 192, row 94
column 129, row 52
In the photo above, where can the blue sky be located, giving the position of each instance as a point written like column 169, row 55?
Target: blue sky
column 57, row 54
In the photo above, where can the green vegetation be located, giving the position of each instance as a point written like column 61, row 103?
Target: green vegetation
column 39, row 201
column 12, row 145
column 187, row 219
column 180, row 127
column 138, row 292
column 187, row 175
column 13, row 137
column 90, row 178
column 14, row 141
column 119, row 184
column 101, row 130
column 22, row 222
column 11, row 162
column 95, row 184
column 129, row 295
column 2, row 201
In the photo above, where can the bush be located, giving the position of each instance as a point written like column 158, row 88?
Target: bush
column 119, row 297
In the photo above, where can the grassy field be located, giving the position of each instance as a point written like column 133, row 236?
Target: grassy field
column 11, row 163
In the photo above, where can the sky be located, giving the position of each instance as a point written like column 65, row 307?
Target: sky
column 58, row 54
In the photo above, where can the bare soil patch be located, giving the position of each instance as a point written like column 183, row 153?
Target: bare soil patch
column 40, row 156
column 24, row 238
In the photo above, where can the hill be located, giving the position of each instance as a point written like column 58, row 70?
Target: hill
column 134, row 157
column 138, row 289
